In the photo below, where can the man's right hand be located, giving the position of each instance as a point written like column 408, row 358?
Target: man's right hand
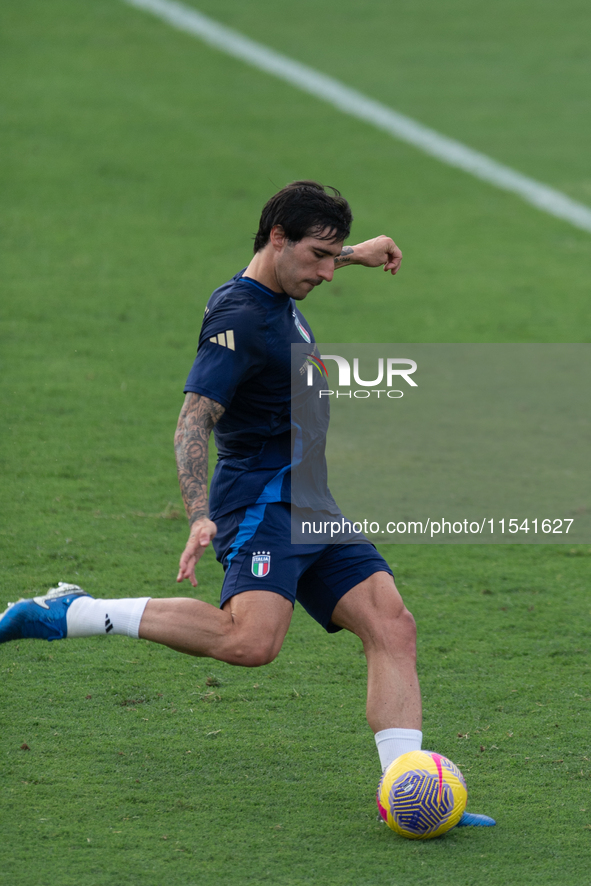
column 202, row 532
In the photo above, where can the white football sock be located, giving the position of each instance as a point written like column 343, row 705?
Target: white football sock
column 87, row 617
column 391, row 743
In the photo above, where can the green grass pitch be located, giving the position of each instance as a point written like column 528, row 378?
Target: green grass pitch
column 135, row 162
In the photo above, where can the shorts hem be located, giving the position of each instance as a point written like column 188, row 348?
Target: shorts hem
column 330, row 626
column 233, row 592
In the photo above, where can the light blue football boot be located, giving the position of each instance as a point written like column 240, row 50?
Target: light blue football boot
column 41, row 618
column 472, row 819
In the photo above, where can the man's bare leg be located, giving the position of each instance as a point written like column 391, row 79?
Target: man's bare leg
column 375, row 612
column 248, row 631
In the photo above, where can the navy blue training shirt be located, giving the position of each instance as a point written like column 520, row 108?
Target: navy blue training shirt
column 244, row 363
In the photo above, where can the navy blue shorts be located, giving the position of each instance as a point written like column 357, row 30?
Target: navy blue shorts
column 254, row 546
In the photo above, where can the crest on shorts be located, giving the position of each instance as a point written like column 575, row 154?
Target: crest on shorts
column 261, row 563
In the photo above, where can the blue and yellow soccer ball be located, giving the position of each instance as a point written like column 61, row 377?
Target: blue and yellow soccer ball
column 422, row 795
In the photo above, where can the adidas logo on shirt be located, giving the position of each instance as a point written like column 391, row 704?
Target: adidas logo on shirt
column 225, row 339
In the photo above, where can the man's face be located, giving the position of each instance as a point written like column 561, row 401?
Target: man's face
column 301, row 266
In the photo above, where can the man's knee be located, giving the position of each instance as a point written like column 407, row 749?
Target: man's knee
column 393, row 628
column 376, row 613
column 407, row 630
column 257, row 624
column 254, row 652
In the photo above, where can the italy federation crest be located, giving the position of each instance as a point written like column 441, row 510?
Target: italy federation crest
column 261, row 563
column 301, row 329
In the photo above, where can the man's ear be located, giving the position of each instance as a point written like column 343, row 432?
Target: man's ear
column 277, row 237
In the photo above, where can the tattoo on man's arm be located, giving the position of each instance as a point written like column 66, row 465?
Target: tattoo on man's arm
column 196, row 421
column 344, row 257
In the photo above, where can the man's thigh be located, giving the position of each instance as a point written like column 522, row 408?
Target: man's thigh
column 368, row 605
column 332, row 576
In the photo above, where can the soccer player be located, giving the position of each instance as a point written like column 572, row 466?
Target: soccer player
column 239, row 387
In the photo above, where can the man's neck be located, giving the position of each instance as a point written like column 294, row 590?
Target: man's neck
column 262, row 270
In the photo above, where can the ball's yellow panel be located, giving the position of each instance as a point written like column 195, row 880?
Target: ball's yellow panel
column 422, row 795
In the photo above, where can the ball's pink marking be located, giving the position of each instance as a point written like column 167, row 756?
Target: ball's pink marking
column 383, row 812
column 437, row 761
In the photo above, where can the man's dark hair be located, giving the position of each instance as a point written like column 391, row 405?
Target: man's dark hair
column 305, row 209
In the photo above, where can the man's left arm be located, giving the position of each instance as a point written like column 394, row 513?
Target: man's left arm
column 372, row 254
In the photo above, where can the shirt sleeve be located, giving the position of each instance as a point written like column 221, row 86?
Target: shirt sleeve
column 232, row 348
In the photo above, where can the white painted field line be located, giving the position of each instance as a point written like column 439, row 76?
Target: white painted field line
column 356, row 104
